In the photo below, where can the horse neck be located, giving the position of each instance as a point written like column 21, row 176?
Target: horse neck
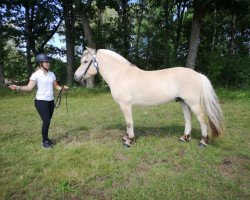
column 110, row 67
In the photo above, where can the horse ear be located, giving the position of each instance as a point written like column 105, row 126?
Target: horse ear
column 89, row 49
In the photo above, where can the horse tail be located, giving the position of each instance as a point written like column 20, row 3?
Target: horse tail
column 211, row 108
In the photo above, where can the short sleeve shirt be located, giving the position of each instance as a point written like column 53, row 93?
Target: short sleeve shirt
column 44, row 84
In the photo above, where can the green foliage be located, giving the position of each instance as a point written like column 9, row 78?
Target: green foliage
column 14, row 65
column 151, row 34
column 230, row 71
column 60, row 70
column 229, row 94
column 44, row 16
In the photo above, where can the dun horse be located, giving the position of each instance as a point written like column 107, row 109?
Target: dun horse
column 130, row 86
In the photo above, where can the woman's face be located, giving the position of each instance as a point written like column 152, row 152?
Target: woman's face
column 46, row 64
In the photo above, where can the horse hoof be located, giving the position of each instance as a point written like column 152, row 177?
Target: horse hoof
column 201, row 145
column 126, row 145
column 181, row 140
column 125, row 138
column 185, row 138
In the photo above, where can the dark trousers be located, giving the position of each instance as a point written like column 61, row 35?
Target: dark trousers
column 45, row 110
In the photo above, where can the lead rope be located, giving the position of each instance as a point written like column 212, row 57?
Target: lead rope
column 59, row 99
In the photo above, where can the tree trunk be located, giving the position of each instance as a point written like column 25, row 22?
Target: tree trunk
column 214, row 30
column 125, row 28
column 28, row 33
column 90, row 82
column 1, row 53
column 70, row 56
column 141, row 4
column 1, row 74
column 148, row 50
column 232, row 35
column 180, row 15
column 1, row 62
column 69, row 18
column 167, row 12
column 195, row 37
column 87, row 31
column 32, row 42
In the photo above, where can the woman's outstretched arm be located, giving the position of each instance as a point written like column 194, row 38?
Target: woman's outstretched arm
column 27, row 87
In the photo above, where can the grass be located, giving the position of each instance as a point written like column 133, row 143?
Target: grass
column 89, row 161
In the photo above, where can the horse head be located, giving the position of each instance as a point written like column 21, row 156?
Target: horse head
column 89, row 65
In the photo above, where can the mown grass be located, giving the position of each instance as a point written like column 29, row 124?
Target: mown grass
column 89, row 161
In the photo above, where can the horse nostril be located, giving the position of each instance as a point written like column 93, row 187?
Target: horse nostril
column 75, row 77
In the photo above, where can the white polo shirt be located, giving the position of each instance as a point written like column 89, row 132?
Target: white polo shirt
column 44, row 84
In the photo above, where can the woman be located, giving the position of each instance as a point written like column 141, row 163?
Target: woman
column 44, row 101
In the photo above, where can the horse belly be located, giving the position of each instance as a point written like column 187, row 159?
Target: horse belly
column 153, row 93
column 152, row 99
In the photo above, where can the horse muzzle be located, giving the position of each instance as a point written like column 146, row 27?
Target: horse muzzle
column 78, row 78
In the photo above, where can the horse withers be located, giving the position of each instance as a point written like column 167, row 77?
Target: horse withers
column 130, row 86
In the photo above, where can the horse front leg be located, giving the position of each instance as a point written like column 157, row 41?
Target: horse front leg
column 127, row 111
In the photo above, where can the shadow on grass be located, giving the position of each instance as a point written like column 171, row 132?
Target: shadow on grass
column 117, row 131
column 163, row 131
column 72, row 135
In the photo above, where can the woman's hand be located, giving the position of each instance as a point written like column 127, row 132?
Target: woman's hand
column 14, row 87
column 64, row 88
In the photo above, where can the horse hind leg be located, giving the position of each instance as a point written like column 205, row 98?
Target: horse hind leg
column 204, row 128
column 187, row 117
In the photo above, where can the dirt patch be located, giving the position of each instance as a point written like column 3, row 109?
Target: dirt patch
column 96, row 194
column 234, row 163
column 72, row 137
column 109, row 135
column 120, row 157
column 18, row 195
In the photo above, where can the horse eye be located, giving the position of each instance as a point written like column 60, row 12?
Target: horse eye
column 85, row 61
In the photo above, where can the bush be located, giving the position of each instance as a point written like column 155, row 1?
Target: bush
column 227, row 71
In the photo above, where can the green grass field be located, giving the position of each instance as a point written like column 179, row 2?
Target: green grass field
column 89, row 161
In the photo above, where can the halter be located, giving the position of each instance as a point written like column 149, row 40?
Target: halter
column 95, row 63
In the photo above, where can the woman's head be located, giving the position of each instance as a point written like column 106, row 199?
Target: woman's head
column 43, row 61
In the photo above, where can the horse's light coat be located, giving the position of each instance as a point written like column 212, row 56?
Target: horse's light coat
column 132, row 86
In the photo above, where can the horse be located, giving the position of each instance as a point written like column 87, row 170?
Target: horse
column 131, row 85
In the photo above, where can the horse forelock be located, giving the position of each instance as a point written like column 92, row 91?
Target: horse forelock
column 84, row 54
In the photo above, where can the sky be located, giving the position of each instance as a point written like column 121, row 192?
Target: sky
column 56, row 40
column 59, row 42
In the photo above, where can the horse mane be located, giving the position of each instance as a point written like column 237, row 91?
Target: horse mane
column 117, row 57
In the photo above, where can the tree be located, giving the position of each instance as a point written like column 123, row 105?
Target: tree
column 239, row 11
column 167, row 10
column 151, row 34
column 180, row 10
column 195, row 34
column 1, row 61
column 124, row 25
column 69, row 18
column 2, row 51
column 34, row 27
column 140, row 13
column 82, row 12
